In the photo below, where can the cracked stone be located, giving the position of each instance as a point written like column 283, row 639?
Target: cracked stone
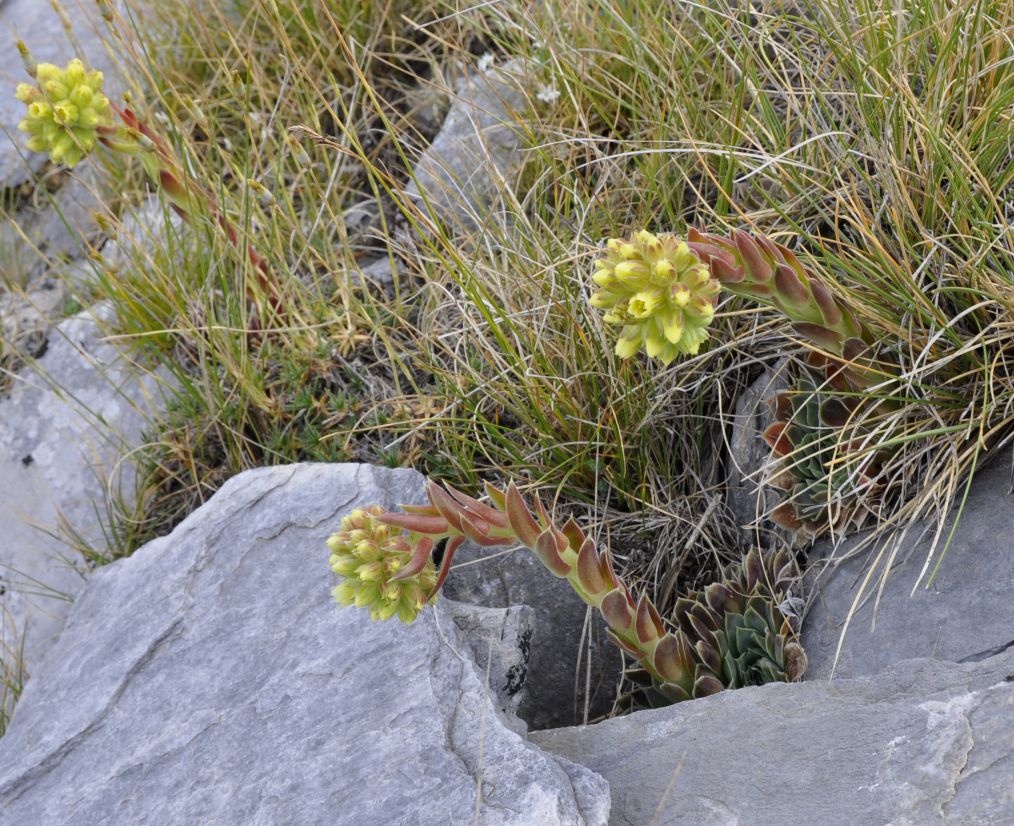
column 966, row 614
column 468, row 166
column 923, row 743
column 59, row 454
column 210, row 677
column 555, row 693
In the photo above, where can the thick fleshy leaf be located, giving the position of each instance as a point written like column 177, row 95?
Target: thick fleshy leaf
column 617, row 610
column 826, row 303
column 521, row 520
column 821, row 336
column 422, row 510
column 716, row 594
column 645, row 626
column 496, row 496
column 589, row 573
column 785, row 516
column 636, row 653
column 478, row 510
column 760, row 269
column 727, row 273
column 547, row 549
column 709, row 656
column 575, row 536
column 453, row 544
column 789, row 287
column 777, row 436
column 706, row 685
column 420, row 556
column 834, row 413
column 416, row 523
column 444, row 502
column 673, row 658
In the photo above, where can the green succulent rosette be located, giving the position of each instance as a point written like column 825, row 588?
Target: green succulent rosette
column 369, row 556
column 66, row 110
column 659, row 291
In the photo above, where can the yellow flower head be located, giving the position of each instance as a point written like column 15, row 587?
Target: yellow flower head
column 367, row 555
column 659, row 291
column 66, row 107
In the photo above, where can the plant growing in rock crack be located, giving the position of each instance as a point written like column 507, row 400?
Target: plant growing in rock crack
column 731, row 634
column 824, row 476
column 663, row 291
column 69, row 116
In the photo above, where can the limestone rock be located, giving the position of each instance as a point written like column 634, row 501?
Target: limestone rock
column 555, row 692
column 63, row 429
column 925, row 743
column 470, row 161
column 25, row 317
column 210, row 678
column 966, row 614
column 749, row 453
column 54, row 226
column 141, row 229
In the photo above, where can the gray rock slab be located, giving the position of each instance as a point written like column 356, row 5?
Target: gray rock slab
column 35, row 22
column 965, row 614
column 555, row 693
column 54, row 226
column 63, row 428
column 210, row 678
column 749, row 455
column 464, row 172
column 924, row 743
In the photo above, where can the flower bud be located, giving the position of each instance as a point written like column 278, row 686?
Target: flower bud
column 65, row 111
column 659, row 291
column 367, row 555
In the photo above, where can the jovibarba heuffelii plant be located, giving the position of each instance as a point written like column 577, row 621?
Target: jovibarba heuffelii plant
column 731, row 634
column 68, row 116
column 813, row 439
column 663, row 290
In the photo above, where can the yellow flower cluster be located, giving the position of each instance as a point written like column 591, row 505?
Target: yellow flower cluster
column 65, row 110
column 660, row 291
column 368, row 555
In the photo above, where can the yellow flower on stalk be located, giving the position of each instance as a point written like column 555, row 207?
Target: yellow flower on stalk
column 368, row 556
column 659, row 291
column 66, row 109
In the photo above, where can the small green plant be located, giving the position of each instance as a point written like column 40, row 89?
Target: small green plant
column 731, row 634
column 813, row 435
column 823, row 471
column 69, row 116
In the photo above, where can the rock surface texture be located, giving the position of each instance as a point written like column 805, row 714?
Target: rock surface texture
column 749, row 454
column 470, row 162
column 558, row 670
column 59, row 449
column 966, row 614
column 210, row 678
column 921, row 744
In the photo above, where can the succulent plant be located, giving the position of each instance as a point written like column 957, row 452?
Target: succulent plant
column 66, row 110
column 767, row 272
column 369, row 556
column 69, row 116
column 820, row 466
column 659, row 291
column 737, row 629
column 734, row 635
